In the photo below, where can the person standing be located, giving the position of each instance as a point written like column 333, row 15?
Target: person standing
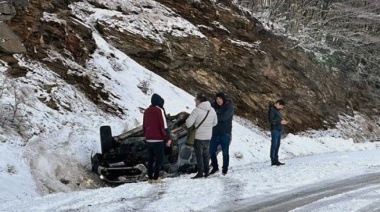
column 221, row 134
column 156, row 134
column 276, row 122
column 203, row 117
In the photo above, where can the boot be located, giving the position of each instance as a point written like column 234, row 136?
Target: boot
column 206, row 173
column 277, row 163
column 198, row 175
column 224, row 172
column 214, row 170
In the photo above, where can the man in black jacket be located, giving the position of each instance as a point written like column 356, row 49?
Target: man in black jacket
column 276, row 122
column 221, row 133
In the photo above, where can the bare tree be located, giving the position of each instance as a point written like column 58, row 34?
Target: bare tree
column 12, row 107
column 344, row 33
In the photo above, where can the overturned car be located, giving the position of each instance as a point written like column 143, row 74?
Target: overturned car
column 124, row 158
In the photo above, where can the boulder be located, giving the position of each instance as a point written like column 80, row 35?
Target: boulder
column 9, row 42
column 7, row 11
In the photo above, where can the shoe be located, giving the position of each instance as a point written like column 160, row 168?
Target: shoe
column 197, row 176
column 214, row 170
column 277, row 163
column 206, row 174
column 224, row 172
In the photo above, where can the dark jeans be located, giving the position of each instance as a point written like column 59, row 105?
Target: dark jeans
column 202, row 155
column 156, row 157
column 224, row 142
column 275, row 145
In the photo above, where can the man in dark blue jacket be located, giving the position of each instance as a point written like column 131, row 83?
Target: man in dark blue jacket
column 221, row 133
column 276, row 122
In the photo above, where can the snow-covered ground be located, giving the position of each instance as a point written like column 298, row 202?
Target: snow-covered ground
column 250, row 181
column 46, row 167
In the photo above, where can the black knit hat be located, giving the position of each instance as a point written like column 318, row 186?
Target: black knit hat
column 222, row 96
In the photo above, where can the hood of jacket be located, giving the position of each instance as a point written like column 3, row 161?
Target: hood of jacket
column 157, row 100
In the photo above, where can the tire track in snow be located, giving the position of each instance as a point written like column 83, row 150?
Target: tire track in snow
column 302, row 197
column 364, row 200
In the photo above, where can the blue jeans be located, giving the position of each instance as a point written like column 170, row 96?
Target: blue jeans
column 224, row 142
column 275, row 145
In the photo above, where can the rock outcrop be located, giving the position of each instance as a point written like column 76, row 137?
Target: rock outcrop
column 10, row 43
column 235, row 55
column 7, row 11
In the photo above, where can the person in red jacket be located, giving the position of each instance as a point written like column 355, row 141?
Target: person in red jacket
column 156, row 134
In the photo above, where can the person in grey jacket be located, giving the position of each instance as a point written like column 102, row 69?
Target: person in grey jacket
column 203, row 133
column 276, row 122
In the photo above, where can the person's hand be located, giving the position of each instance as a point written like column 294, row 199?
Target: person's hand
column 283, row 122
column 168, row 143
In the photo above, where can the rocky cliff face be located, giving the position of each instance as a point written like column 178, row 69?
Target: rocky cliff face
column 234, row 54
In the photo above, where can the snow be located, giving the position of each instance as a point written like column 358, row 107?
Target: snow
column 52, row 17
column 254, row 181
column 364, row 199
column 58, row 143
column 147, row 18
column 254, row 45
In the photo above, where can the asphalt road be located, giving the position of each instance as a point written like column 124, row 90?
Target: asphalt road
column 298, row 198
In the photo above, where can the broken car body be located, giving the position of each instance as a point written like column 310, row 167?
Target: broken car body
column 123, row 158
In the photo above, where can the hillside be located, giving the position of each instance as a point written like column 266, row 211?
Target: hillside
column 220, row 49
